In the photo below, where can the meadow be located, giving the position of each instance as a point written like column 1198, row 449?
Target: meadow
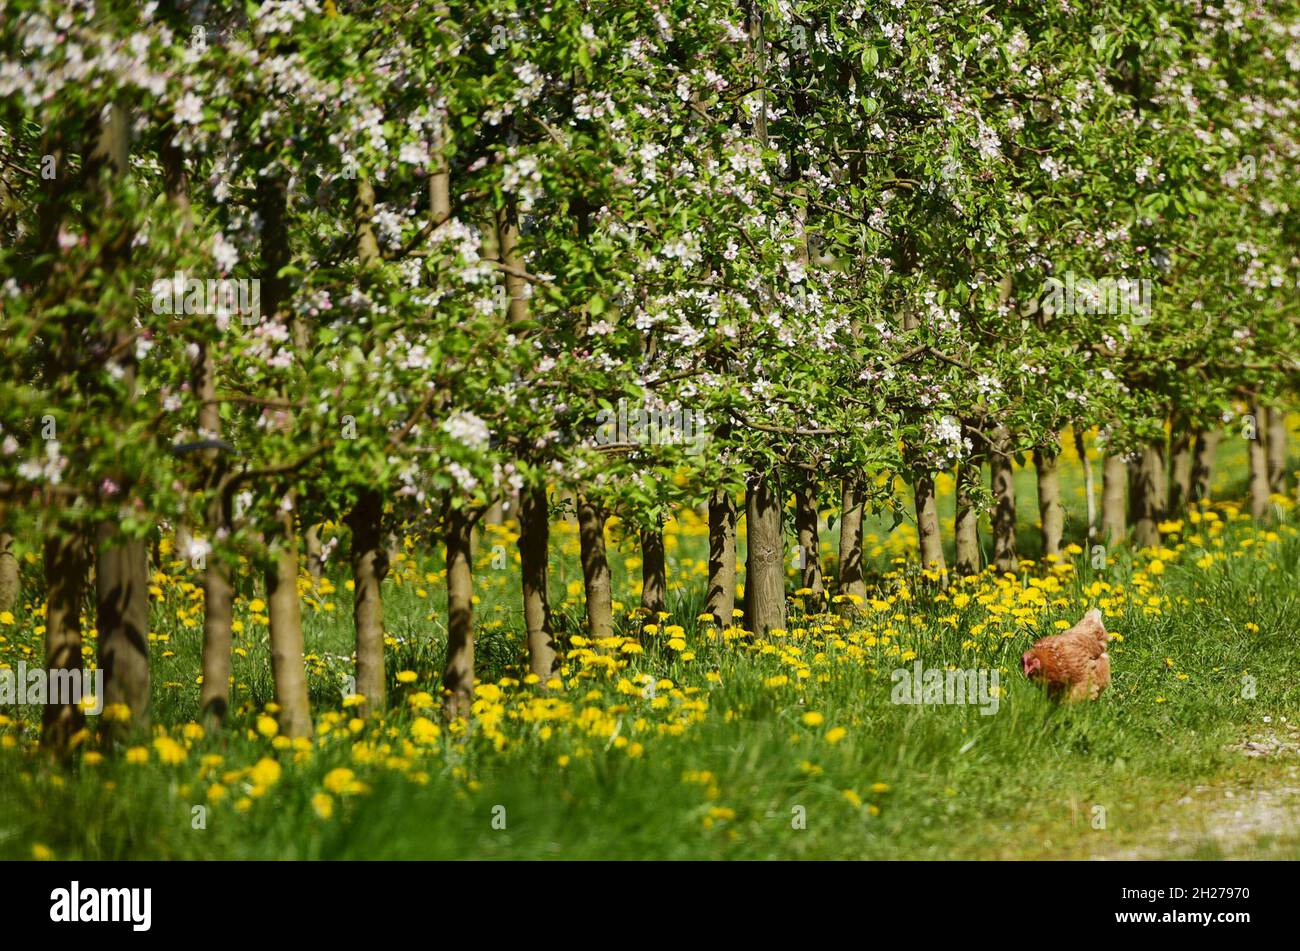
column 682, row 741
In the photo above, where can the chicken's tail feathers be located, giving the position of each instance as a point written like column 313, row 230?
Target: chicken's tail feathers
column 1093, row 619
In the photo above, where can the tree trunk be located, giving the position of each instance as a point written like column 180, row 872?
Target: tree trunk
column 970, row 470
column 927, row 522
column 1114, row 520
column 1180, row 465
column 810, row 559
column 721, row 600
column 218, row 618
column 314, row 552
column 1089, row 482
column 1005, row 556
column 1051, row 513
column 1148, row 495
column 121, row 564
column 1275, row 447
column 122, row 600
column 218, row 592
column 534, row 541
column 370, row 549
column 458, row 677
column 851, row 505
column 176, row 182
column 439, row 165
column 595, row 570
column 183, row 544
column 288, row 667
column 8, row 573
column 534, row 512
column 1207, row 451
column 65, row 578
column 765, row 562
column 654, row 579
column 765, row 558
column 1258, row 446
column 65, row 556
column 369, row 566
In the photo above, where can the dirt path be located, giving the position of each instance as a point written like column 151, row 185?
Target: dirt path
column 1252, row 819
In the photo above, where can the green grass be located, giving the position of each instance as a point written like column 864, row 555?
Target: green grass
column 746, row 776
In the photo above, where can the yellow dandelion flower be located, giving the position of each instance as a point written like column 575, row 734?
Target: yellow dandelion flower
column 322, row 805
column 170, row 753
column 265, row 772
column 425, row 731
column 339, row 780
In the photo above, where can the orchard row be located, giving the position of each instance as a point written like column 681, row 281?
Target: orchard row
column 275, row 264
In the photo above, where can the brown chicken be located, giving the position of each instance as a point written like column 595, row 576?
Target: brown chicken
column 1074, row 664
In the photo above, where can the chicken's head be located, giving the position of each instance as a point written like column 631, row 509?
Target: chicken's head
column 1030, row 663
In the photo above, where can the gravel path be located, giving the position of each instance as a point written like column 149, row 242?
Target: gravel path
column 1236, row 821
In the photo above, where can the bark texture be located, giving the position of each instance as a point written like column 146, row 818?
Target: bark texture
column 1207, row 452
column 927, row 522
column 654, row 572
column 1258, row 446
column 534, row 542
column 721, row 597
column 1181, row 452
column 851, row 581
column 970, row 470
column 122, row 601
column 218, row 619
column 1051, row 513
column 288, row 666
column 595, row 570
column 65, row 578
column 1005, row 555
column 1148, row 495
column 810, row 560
column 458, row 676
column 1089, row 482
column 369, row 558
column 314, row 552
column 765, row 561
column 9, row 586
column 1114, row 514
column 1275, row 447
